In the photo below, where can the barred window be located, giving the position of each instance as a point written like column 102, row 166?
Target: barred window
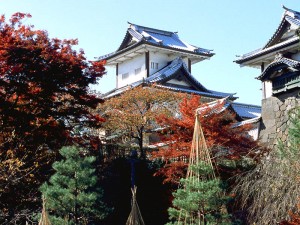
column 154, row 65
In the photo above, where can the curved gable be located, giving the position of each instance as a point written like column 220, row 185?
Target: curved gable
column 277, row 67
column 284, row 39
column 176, row 70
column 290, row 22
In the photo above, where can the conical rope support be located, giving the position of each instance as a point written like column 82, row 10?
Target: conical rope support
column 135, row 216
column 44, row 216
column 199, row 154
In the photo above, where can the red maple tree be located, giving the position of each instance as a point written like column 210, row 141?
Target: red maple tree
column 44, row 98
column 224, row 140
column 295, row 220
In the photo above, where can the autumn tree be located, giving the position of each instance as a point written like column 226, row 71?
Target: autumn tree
column 133, row 112
column 72, row 195
column 44, row 95
column 224, row 141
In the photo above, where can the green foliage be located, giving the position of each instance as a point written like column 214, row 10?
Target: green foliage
column 271, row 191
column 71, row 194
column 291, row 150
column 200, row 200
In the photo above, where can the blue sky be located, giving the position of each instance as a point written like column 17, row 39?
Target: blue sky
column 229, row 27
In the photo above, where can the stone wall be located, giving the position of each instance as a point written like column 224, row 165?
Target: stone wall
column 275, row 117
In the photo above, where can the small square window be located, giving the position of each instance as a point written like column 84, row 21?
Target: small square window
column 125, row 75
column 137, row 71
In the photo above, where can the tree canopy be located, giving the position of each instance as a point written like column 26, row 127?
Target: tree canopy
column 224, row 141
column 72, row 194
column 133, row 112
column 44, row 95
column 199, row 201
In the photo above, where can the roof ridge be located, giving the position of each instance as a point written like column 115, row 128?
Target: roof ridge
column 290, row 12
column 262, row 51
column 287, row 13
column 150, row 29
column 177, row 63
column 246, row 104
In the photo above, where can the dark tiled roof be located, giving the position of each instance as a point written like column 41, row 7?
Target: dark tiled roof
column 170, row 70
column 260, row 52
column 246, row 110
column 277, row 62
column 155, row 37
column 164, row 38
column 289, row 17
column 211, row 94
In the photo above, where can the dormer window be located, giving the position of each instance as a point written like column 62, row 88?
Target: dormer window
column 125, row 76
column 154, row 65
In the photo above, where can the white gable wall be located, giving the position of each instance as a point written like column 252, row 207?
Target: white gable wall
column 157, row 61
column 130, row 66
column 161, row 59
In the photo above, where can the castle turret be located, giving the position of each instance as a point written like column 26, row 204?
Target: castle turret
column 144, row 51
column 279, row 64
column 148, row 55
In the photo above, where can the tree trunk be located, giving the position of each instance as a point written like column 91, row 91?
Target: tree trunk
column 76, row 205
column 141, row 136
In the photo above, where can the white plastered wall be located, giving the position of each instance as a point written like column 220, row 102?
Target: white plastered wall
column 129, row 67
column 267, row 89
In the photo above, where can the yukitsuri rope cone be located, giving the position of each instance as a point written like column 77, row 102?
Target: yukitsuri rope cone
column 135, row 216
column 199, row 155
column 44, row 216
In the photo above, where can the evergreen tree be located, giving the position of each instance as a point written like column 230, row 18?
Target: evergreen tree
column 200, row 201
column 71, row 195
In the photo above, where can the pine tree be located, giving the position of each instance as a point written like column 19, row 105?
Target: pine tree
column 71, row 194
column 199, row 201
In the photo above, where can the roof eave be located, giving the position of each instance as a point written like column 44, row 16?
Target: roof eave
column 265, row 53
column 195, row 55
column 263, row 76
